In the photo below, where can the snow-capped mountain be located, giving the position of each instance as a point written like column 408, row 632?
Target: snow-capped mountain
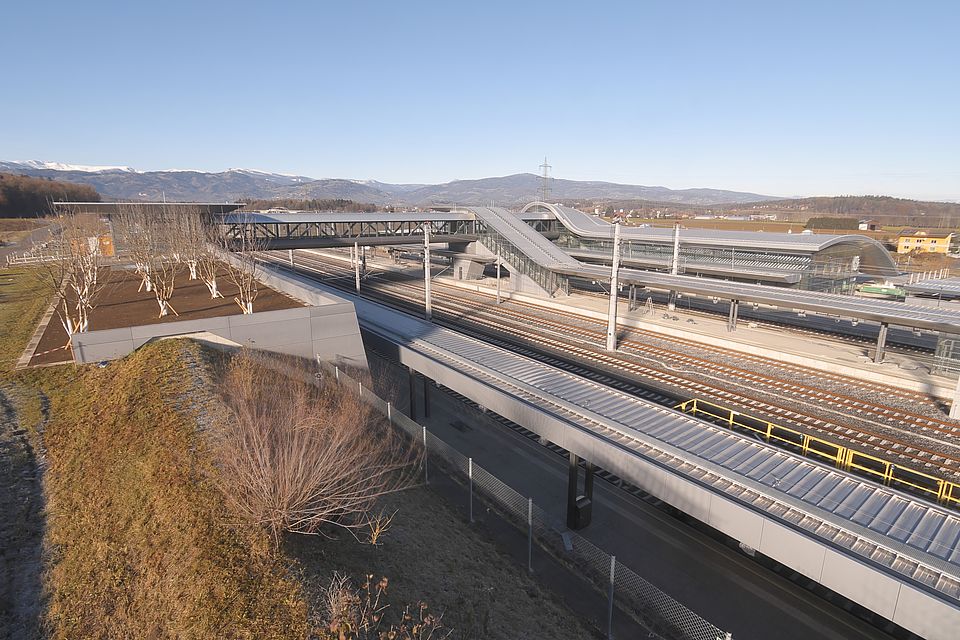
column 61, row 166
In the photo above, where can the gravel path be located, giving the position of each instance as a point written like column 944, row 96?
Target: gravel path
column 21, row 530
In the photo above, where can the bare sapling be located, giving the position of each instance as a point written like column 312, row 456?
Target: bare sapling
column 245, row 267
column 73, row 273
column 133, row 235
column 208, row 262
column 191, row 240
column 294, row 458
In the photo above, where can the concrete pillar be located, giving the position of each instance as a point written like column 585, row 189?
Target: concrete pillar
column 881, row 343
column 732, row 319
column 675, row 263
column 498, row 277
column 674, row 266
column 614, row 285
column 579, row 520
column 955, row 405
column 356, row 265
column 290, row 256
column 427, row 308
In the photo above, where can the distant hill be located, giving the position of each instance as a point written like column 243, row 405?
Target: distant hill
column 884, row 209
column 124, row 183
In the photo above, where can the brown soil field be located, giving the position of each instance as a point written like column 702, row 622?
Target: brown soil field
column 120, row 304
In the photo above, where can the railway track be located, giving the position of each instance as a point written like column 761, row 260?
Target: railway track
column 904, row 437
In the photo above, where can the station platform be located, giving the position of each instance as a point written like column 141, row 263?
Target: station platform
column 853, row 359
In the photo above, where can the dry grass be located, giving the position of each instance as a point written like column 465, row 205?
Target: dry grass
column 141, row 544
column 432, row 555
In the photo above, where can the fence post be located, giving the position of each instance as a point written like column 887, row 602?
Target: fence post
column 530, row 534
column 389, row 413
column 470, row 474
column 337, row 370
column 613, row 568
column 426, row 478
column 360, row 390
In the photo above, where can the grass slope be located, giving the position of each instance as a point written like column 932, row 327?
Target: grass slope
column 141, row 545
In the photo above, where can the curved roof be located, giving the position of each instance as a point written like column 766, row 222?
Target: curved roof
column 874, row 256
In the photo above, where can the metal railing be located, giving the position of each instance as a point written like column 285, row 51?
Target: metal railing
column 656, row 611
column 887, row 473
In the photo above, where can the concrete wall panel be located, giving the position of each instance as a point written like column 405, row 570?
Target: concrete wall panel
column 928, row 618
column 735, row 521
column 178, row 327
column 793, row 549
column 339, row 324
column 861, row 583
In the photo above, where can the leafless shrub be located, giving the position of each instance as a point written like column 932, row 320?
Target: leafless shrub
column 294, row 458
column 362, row 614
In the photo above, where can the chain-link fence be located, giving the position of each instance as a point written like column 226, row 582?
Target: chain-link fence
column 656, row 611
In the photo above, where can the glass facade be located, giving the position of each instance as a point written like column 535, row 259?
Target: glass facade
column 832, row 270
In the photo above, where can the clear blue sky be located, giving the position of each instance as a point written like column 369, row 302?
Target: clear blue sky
column 798, row 98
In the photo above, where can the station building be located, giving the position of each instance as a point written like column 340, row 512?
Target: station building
column 815, row 262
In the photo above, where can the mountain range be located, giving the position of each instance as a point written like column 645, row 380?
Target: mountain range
column 125, row 183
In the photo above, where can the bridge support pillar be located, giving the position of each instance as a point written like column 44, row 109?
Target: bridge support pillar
column 290, row 255
column 732, row 319
column 579, row 506
column 881, row 343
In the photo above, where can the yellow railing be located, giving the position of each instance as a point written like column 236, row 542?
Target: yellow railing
column 837, row 455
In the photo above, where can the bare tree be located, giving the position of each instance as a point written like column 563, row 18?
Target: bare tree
column 134, row 236
column 208, row 265
column 191, row 239
column 245, row 267
column 73, row 273
column 294, row 458
column 152, row 241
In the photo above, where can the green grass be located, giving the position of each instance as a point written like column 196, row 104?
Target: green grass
column 22, row 303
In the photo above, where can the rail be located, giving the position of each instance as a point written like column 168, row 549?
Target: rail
column 887, row 473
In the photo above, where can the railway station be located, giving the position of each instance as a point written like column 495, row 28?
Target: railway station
column 758, row 398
